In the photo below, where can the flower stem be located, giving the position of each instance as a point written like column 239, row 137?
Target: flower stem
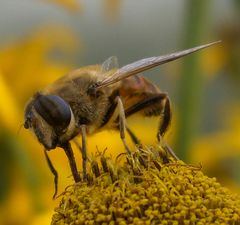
column 191, row 83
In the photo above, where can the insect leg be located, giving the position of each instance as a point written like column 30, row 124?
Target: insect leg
column 168, row 149
column 151, row 104
column 84, row 152
column 133, row 137
column 122, row 123
column 154, row 105
column 54, row 172
column 68, row 150
column 164, row 124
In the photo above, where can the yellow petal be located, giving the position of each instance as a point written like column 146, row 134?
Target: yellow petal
column 9, row 114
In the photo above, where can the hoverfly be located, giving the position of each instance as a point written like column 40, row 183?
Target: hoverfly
column 93, row 98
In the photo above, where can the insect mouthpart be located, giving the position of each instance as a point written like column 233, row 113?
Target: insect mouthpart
column 27, row 123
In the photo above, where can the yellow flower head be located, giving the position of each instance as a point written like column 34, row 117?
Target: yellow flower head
column 148, row 188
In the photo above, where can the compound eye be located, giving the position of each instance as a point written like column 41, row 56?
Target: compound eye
column 54, row 110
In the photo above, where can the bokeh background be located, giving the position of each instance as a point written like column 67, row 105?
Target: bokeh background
column 41, row 40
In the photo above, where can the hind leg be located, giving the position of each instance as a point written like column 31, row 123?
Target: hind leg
column 163, row 126
column 133, row 137
column 166, row 119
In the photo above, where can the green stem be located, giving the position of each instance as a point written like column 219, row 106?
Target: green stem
column 191, row 83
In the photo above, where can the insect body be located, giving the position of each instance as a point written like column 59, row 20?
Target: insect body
column 93, row 98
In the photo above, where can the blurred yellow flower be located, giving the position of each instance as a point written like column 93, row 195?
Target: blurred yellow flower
column 9, row 112
column 213, row 60
column 220, row 151
column 30, row 63
column 112, row 8
column 72, row 6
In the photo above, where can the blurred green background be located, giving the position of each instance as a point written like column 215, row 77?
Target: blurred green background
column 41, row 40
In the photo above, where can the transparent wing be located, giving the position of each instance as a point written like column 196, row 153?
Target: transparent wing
column 109, row 64
column 145, row 64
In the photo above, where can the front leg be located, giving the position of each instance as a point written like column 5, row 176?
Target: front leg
column 84, row 152
column 122, row 123
column 68, row 150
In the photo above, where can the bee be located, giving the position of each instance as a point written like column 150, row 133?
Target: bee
column 93, row 98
